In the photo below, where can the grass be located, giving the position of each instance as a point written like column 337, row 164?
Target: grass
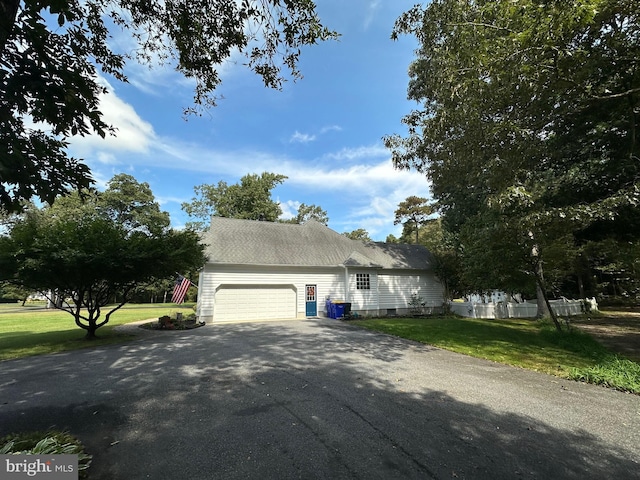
column 26, row 331
column 522, row 343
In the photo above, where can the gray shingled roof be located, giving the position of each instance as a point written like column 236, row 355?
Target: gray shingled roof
column 250, row 242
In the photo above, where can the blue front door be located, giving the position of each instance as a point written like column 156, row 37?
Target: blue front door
column 311, row 302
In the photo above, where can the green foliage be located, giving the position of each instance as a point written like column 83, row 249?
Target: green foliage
column 412, row 213
column 133, row 205
column 88, row 252
column 523, row 343
column 12, row 293
column 391, row 238
column 416, row 304
column 250, row 199
column 309, row 212
column 612, row 371
column 445, row 248
column 358, row 234
column 49, row 443
column 51, row 52
column 527, row 129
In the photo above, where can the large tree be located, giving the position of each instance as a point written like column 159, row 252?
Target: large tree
column 358, row 234
column 80, row 252
column 51, row 51
column 528, row 121
column 413, row 212
column 309, row 212
column 250, row 199
column 133, row 205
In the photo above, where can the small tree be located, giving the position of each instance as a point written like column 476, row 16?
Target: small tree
column 88, row 258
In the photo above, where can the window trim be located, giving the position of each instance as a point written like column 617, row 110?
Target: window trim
column 363, row 281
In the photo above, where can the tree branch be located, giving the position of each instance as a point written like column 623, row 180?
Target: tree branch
column 617, row 95
column 480, row 24
column 8, row 13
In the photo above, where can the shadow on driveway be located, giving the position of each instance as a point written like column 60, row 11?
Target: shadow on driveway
column 317, row 399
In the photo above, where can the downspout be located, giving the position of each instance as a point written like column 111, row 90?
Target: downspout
column 200, row 287
column 377, row 291
column 346, row 283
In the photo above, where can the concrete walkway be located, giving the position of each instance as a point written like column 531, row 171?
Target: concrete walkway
column 317, row 399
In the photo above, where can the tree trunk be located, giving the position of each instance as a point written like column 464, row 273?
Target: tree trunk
column 91, row 326
column 91, row 331
column 581, row 287
column 8, row 13
column 542, row 291
column 543, row 308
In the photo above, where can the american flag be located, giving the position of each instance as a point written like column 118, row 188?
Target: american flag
column 180, row 289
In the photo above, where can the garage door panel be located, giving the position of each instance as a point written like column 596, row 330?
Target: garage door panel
column 254, row 302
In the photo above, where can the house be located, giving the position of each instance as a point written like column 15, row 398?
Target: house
column 262, row 270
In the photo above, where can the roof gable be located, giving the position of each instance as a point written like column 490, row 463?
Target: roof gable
column 251, row 242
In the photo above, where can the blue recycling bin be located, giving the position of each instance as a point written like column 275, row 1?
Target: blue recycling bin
column 339, row 310
column 331, row 312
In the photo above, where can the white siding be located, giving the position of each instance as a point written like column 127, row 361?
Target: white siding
column 329, row 282
column 389, row 289
column 363, row 300
column 395, row 289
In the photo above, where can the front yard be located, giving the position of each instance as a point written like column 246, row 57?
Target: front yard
column 523, row 343
column 26, row 331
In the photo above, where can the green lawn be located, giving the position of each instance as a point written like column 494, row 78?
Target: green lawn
column 29, row 330
column 523, row 343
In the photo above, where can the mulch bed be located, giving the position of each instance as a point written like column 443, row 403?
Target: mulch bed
column 172, row 325
column 617, row 330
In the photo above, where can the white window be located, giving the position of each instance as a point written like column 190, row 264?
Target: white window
column 362, row 281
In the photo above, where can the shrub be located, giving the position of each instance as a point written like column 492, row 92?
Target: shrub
column 49, row 443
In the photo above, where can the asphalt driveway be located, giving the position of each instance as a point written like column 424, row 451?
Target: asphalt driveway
column 317, row 399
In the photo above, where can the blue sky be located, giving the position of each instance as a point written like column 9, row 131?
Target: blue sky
column 324, row 132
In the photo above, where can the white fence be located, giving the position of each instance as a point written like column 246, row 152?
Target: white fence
column 562, row 307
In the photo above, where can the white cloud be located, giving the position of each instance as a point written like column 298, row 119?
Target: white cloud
column 289, row 208
column 107, row 158
column 164, row 199
column 363, row 178
column 371, row 12
column 364, row 152
column 331, row 128
column 298, row 137
column 133, row 134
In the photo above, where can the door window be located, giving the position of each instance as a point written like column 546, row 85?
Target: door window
column 311, row 293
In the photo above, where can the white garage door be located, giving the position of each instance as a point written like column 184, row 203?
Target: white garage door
column 254, row 302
